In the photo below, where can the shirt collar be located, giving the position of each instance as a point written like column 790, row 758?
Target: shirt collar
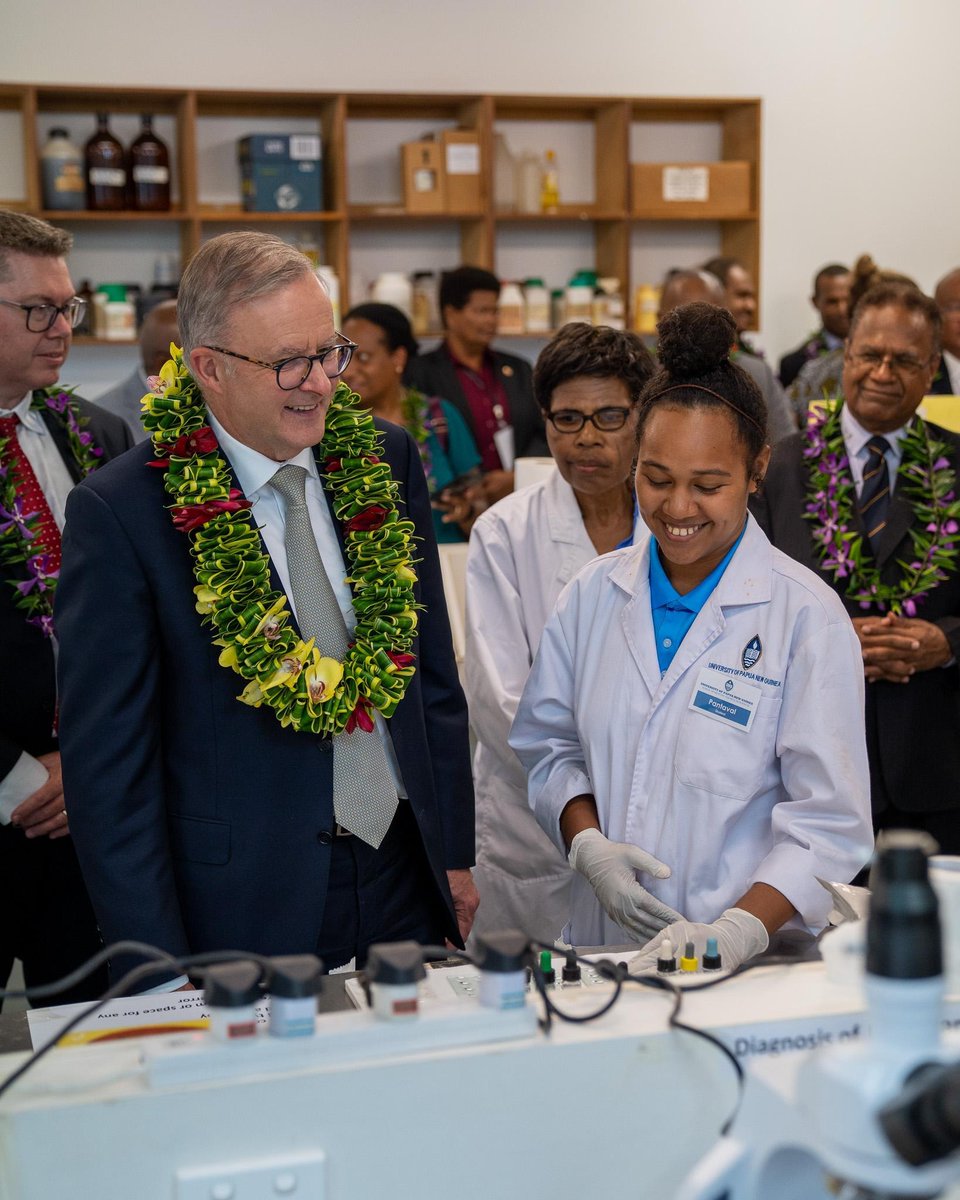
column 856, row 437
column 662, row 592
column 951, row 365
column 254, row 470
column 29, row 417
column 830, row 340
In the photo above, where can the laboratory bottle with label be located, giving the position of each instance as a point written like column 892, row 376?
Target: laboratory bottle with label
column 61, row 165
column 149, row 170
column 106, row 168
column 549, row 184
column 510, row 309
column 536, row 303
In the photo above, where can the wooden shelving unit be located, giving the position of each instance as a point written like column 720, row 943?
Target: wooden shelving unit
column 344, row 121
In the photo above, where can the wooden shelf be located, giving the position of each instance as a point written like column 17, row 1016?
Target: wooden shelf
column 610, row 124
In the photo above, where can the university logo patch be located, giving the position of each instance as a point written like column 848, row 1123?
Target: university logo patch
column 751, row 653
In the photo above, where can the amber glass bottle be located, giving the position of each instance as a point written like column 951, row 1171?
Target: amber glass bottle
column 106, row 170
column 149, row 171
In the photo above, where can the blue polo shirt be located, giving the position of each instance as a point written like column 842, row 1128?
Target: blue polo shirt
column 673, row 614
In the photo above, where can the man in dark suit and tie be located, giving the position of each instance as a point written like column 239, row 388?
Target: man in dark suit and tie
column 287, row 816
column 493, row 391
column 831, row 299
column 45, row 916
column 850, row 497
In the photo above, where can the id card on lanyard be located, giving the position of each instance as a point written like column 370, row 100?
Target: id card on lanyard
column 503, row 439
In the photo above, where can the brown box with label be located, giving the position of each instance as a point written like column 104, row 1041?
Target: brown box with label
column 424, row 181
column 682, row 190
column 461, row 165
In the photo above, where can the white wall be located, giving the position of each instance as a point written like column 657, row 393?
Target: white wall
column 861, row 96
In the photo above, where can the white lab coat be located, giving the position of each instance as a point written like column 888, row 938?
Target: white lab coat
column 523, row 551
column 780, row 804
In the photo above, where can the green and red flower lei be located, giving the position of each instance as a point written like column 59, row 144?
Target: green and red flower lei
column 306, row 690
column 925, row 478
column 33, row 581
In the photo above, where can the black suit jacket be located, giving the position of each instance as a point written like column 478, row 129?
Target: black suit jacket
column 941, row 385
column 435, row 375
column 913, row 729
column 28, row 694
column 201, row 823
column 793, row 363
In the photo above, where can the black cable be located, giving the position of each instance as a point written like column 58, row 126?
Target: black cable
column 160, row 958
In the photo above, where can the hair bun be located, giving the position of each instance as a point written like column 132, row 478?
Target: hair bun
column 695, row 339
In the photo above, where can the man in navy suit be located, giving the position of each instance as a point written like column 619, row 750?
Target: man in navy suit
column 45, row 916
column 201, row 822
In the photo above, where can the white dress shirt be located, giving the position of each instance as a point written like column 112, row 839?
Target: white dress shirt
column 951, row 364
column 254, row 472
column 41, row 452
column 855, row 439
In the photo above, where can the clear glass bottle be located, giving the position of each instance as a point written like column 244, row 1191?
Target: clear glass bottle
column 106, row 169
column 149, row 170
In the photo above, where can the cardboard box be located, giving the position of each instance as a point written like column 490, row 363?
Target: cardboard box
column 461, row 163
column 281, row 172
column 424, row 184
column 705, row 190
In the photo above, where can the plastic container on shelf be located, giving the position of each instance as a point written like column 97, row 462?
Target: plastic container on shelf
column 331, row 281
column 646, row 304
column 536, row 305
column 119, row 314
column 558, row 308
column 425, row 319
column 608, row 307
column 504, row 176
column 579, row 297
column 549, row 184
column 510, row 309
column 393, row 287
column 61, row 173
column 528, row 183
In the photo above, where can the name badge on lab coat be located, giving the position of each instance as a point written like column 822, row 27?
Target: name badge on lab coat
column 725, row 698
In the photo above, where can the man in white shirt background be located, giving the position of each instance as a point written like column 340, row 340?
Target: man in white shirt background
column 48, row 441
column 947, row 296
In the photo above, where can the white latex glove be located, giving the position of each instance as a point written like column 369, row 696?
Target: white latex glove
column 740, row 936
column 610, row 868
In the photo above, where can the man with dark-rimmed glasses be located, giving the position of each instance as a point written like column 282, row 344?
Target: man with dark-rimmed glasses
column 46, row 917
column 208, row 823
column 867, row 496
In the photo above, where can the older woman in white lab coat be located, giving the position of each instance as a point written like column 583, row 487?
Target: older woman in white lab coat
column 523, row 551
column 693, row 722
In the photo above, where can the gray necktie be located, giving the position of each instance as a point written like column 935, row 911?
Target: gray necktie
column 364, row 794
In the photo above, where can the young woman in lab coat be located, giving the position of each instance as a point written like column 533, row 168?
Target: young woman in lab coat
column 693, row 722
column 523, row 551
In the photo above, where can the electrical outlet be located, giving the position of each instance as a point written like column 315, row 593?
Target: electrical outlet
column 293, row 1176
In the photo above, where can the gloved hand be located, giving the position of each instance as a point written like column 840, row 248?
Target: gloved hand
column 740, row 936
column 610, row 869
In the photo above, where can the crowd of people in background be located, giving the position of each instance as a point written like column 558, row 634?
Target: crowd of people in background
column 707, row 658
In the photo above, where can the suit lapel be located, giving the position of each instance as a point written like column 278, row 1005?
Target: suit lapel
column 62, row 442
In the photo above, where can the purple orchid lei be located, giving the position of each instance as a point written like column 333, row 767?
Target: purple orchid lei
column 33, row 580
column 925, row 478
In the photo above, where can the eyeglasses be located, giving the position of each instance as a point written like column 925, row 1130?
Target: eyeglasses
column 292, row 373
column 901, row 364
column 571, row 420
column 41, row 317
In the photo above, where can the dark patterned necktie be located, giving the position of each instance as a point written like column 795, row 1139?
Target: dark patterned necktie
column 875, row 493
column 31, row 495
column 364, row 794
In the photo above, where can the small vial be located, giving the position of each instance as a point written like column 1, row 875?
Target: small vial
column 295, row 982
column 231, row 991
column 711, row 956
column 666, row 957
column 688, row 961
column 393, row 971
column 500, row 959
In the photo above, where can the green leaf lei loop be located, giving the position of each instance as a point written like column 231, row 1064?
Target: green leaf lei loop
column 925, row 478
column 252, row 621
column 32, row 580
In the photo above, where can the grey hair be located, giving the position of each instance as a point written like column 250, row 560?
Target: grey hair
column 29, row 235
column 228, row 270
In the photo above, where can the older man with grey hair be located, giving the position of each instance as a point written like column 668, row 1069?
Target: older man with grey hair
column 328, row 804
column 685, row 286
